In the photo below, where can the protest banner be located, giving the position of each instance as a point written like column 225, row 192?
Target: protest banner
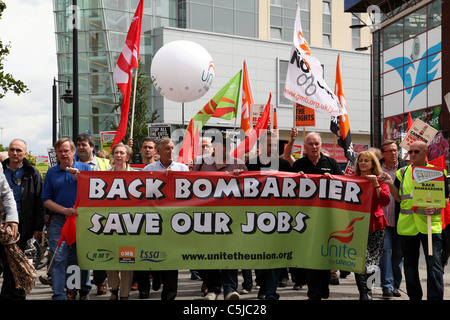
column 197, row 220
column 107, row 138
column 158, row 131
column 419, row 130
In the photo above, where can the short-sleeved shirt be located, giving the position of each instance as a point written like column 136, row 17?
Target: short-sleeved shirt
column 158, row 166
column 60, row 186
column 324, row 165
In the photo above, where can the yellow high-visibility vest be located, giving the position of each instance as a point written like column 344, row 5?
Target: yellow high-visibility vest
column 412, row 222
column 103, row 164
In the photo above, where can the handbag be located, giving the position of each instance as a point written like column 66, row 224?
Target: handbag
column 22, row 269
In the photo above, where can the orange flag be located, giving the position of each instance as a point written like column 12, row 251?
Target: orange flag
column 247, row 100
column 340, row 124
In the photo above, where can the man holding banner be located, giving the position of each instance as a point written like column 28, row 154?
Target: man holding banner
column 418, row 225
column 315, row 162
column 59, row 195
column 268, row 160
column 221, row 161
column 165, row 147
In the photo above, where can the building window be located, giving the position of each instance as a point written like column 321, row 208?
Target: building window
column 356, row 32
column 275, row 33
column 282, row 19
column 326, row 24
column 282, row 71
column 221, row 16
column 305, row 8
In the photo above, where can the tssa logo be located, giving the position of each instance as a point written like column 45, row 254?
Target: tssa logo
column 341, row 254
column 153, row 256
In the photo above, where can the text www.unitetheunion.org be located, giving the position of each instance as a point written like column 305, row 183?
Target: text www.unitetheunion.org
column 238, row 256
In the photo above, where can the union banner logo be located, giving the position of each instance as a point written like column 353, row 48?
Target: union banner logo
column 345, row 235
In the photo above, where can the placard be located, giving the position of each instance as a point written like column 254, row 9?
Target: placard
column 428, row 187
column 419, row 129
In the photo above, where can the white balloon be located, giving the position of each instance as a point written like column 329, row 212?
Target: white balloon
column 182, row 71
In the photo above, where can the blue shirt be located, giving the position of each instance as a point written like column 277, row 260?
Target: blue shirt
column 158, row 166
column 60, row 186
column 14, row 178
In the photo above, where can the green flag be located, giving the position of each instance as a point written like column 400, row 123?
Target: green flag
column 222, row 105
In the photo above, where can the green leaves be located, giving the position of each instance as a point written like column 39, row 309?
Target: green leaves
column 7, row 81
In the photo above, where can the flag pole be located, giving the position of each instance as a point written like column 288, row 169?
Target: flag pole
column 429, row 236
column 134, row 102
column 51, row 261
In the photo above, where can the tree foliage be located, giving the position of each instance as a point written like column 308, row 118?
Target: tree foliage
column 7, row 81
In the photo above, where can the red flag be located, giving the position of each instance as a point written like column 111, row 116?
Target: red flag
column 410, row 122
column 246, row 145
column 247, row 100
column 69, row 231
column 445, row 212
column 128, row 59
column 438, row 162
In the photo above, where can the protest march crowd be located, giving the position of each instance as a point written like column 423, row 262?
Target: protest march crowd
column 397, row 229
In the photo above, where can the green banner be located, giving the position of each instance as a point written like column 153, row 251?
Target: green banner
column 189, row 220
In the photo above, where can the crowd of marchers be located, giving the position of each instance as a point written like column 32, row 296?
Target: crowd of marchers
column 397, row 229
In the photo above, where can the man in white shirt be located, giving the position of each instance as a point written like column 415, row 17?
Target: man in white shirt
column 165, row 147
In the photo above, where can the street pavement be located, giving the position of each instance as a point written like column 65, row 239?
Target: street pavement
column 190, row 289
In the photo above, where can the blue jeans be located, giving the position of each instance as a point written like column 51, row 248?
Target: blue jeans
column 391, row 261
column 411, row 253
column 64, row 257
column 229, row 281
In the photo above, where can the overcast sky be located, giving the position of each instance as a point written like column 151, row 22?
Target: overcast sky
column 28, row 26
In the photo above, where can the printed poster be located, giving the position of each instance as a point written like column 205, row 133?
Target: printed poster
column 428, row 187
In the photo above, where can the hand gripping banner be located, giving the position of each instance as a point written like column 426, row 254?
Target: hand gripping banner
column 197, row 220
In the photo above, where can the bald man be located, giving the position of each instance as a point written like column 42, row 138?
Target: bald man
column 412, row 228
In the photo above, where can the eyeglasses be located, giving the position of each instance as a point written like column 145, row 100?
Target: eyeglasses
column 391, row 151
column 414, row 151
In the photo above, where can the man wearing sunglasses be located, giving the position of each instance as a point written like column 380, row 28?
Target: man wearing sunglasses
column 412, row 228
column 26, row 183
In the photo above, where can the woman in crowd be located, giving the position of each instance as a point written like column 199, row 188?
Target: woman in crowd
column 367, row 165
column 122, row 155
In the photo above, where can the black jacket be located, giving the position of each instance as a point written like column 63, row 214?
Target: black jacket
column 32, row 216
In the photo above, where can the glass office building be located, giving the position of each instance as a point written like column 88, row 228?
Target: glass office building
column 103, row 26
column 409, row 77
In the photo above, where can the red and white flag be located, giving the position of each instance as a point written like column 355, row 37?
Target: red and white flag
column 128, row 59
column 247, row 101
